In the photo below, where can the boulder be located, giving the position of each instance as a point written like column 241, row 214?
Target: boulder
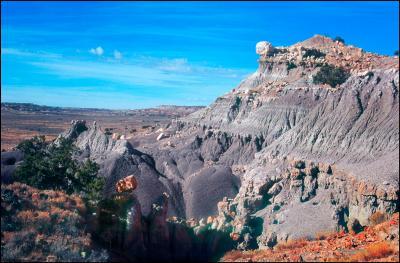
column 116, row 136
column 76, row 128
column 162, row 136
column 264, row 48
column 127, row 184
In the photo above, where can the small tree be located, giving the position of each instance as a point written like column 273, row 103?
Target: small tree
column 396, row 53
column 339, row 39
column 51, row 166
column 314, row 53
column 290, row 65
column 33, row 145
column 331, row 75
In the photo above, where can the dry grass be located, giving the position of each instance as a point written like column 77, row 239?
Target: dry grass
column 292, row 244
column 18, row 125
column 233, row 255
column 36, row 224
column 369, row 245
column 373, row 251
column 324, row 235
column 377, row 218
column 11, row 137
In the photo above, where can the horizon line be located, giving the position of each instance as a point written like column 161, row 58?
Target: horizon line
column 108, row 109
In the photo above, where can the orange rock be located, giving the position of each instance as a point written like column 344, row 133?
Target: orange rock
column 129, row 183
column 341, row 233
column 234, row 236
column 362, row 237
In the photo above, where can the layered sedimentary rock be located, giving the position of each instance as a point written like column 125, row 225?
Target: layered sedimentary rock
column 278, row 152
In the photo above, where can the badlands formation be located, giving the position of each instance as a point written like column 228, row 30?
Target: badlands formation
column 277, row 158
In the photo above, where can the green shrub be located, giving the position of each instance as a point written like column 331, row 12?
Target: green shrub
column 313, row 53
column 52, row 166
column 290, row 65
column 32, row 146
column 370, row 74
column 331, row 75
column 339, row 39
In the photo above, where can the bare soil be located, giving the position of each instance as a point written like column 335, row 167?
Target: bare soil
column 23, row 121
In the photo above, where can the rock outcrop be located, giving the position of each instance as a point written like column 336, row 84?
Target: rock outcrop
column 120, row 224
column 347, row 137
column 378, row 243
column 277, row 152
column 127, row 184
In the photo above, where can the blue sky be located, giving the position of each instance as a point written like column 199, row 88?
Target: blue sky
column 124, row 55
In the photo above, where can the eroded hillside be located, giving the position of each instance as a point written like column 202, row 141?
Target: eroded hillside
column 308, row 143
column 242, row 146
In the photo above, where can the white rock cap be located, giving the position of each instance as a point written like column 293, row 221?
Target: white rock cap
column 263, row 48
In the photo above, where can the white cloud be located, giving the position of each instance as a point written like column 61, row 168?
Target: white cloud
column 131, row 74
column 14, row 51
column 97, row 51
column 175, row 65
column 177, row 80
column 117, row 54
column 146, row 71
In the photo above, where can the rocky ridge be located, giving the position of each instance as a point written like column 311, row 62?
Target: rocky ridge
column 278, row 150
column 378, row 243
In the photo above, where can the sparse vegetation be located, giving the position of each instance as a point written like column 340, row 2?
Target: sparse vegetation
column 322, row 235
column 313, row 53
column 331, row 75
column 41, row 224
column 339, row 39
column 108, row 131
column 368, row 245
column 373, row 251
column 290, row 65
column 291, row 244
column 234, row 255
column 370, row 74
column 377, row 218
column 299, row 164
column 52, row 166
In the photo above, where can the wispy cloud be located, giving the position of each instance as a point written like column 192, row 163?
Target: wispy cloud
column 143, row 71
column 24, row 53
column 17, row 52
column 139, row 80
